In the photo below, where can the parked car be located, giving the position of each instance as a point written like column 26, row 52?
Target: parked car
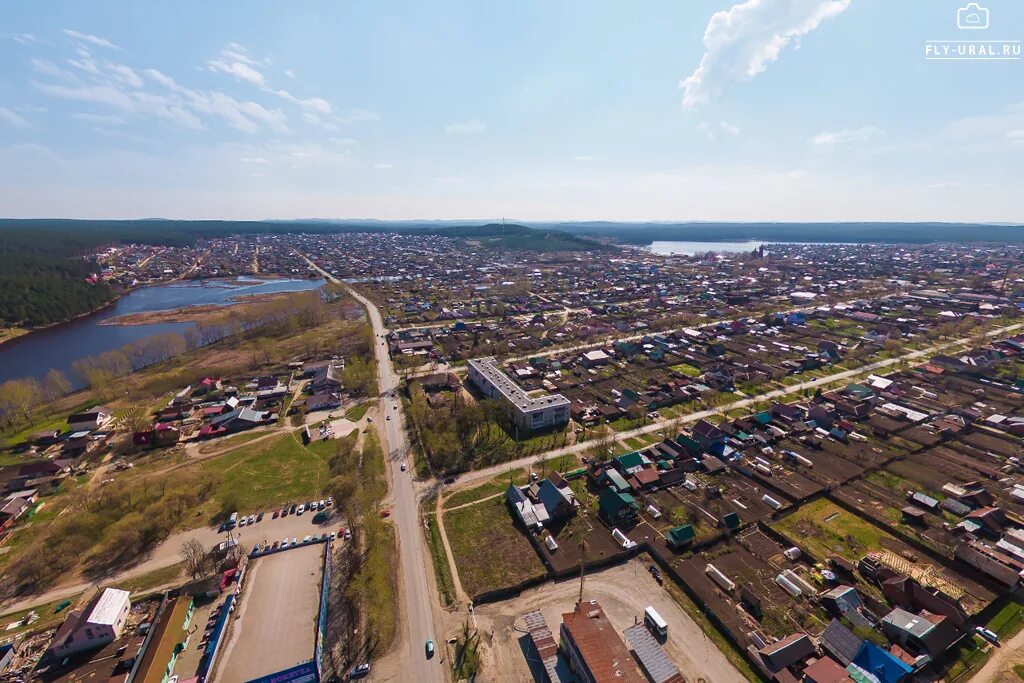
column 330, row 501
column 429, row 649
column 359, row 671
column 449, row 480
column 385, row 513
column 306, row 539
column 292, row 509
column 259, row 517
column 284, row 543
column 242, row 521
column 334, row 535
column 321, row 505
column 295, row 541
column 277, row 513
column 300, row 510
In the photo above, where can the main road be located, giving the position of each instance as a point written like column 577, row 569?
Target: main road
column 419, row 616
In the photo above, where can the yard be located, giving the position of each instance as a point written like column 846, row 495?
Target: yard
column 273, row 471
column 490, row 552
column 824, row 529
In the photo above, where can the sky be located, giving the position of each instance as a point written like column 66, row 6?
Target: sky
column 781, row 110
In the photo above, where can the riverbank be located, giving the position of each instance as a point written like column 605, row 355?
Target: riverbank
column 194, row 314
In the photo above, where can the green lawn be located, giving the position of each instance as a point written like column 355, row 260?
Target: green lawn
column 687, row 370
column 355, row 413
column 442, row 571
column 489, row 551
column 488, row 488
column 271, row 472
column 47, row 617
column 140, row 585
column 842, row 533
column 232, row 441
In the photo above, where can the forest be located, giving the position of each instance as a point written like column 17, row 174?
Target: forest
column 43, row 277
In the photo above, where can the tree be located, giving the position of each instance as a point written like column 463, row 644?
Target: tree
column 56, row 385
column 195, row 557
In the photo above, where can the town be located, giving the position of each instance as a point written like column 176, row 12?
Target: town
column 484, row 461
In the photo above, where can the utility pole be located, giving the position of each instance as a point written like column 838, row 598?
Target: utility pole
column 583, row 567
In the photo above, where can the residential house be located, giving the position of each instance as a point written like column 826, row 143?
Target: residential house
column 90, row 420
column 99, row 623
column 616, row 507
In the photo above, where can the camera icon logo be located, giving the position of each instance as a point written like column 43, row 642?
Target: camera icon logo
column 972, row 17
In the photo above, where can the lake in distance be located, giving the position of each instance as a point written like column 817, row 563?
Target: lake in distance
column 59, row 346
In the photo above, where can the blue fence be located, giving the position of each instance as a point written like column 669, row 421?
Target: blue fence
column 321, row 622
column 213, row 646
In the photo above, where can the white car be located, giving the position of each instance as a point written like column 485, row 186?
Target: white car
column 306, row 539
column 285, row 543
column 404, row 467
column 242, row 521
column 300, row 509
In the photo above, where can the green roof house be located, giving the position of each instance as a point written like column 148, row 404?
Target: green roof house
column 615, row 507
column 680, row 536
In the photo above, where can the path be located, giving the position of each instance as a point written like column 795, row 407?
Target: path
column 1002, row 658
column 460, row 595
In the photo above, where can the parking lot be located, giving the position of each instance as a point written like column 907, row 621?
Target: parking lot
column 274, row 624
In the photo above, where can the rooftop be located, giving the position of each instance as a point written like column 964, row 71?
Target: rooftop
column 108, row 607
column 512, row 391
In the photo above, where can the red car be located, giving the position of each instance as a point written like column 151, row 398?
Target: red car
column 277, row 513
column 385, row 513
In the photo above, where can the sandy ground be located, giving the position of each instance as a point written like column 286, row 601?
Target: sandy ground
column 623, row 592
column 274, row 627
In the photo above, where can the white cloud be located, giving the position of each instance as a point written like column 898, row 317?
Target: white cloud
column 380, row 166
column 741, row 42
column 239, row 70
column 846, row 136
column 12, row 118
column 126, row 75
column 88, row 38
column 255, row 160
column 1016, row 137
column 23, row 38
column 729, row 128
column 104, row 119
column 450, row 180
column 289, row 73
column 359, row 116
column 48, row 68
column 345, row 142
column 465, row 127
column 586, row 158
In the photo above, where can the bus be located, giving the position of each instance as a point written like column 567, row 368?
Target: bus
column 655, row 622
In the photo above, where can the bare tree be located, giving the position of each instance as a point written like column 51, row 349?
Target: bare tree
column 195, row 557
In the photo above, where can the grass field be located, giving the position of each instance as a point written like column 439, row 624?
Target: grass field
column 233, row 441
column 47, row 617
column 489, row 551
column 490, row 487
column 442, row 571
column 272, row 471
column 823, row 528
column 355, row 413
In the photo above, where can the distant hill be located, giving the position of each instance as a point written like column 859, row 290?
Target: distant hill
column 516, row 237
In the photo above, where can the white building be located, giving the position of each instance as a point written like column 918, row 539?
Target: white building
column 100, row 623
column 528, row 414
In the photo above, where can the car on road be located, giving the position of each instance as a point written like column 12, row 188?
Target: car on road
column 656, row 573
column 359, row 671
column 395, row 406
column 429, row 647
column 388, row 418
column 300, row 510
column 404, row 467
column 369, row 419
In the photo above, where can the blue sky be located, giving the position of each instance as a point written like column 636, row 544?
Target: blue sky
column 681, row 110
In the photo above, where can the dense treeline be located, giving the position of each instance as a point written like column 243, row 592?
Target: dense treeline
column 43, row 277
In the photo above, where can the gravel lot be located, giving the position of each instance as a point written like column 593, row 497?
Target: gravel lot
column 623, row 591
column 274, row 626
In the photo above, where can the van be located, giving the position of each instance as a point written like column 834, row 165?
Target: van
column 655, row 623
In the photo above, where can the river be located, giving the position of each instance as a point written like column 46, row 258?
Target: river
column 59, row 346
column 666, row 248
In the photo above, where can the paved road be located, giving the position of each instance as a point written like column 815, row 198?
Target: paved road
column 405, row 513
column 665, row 425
